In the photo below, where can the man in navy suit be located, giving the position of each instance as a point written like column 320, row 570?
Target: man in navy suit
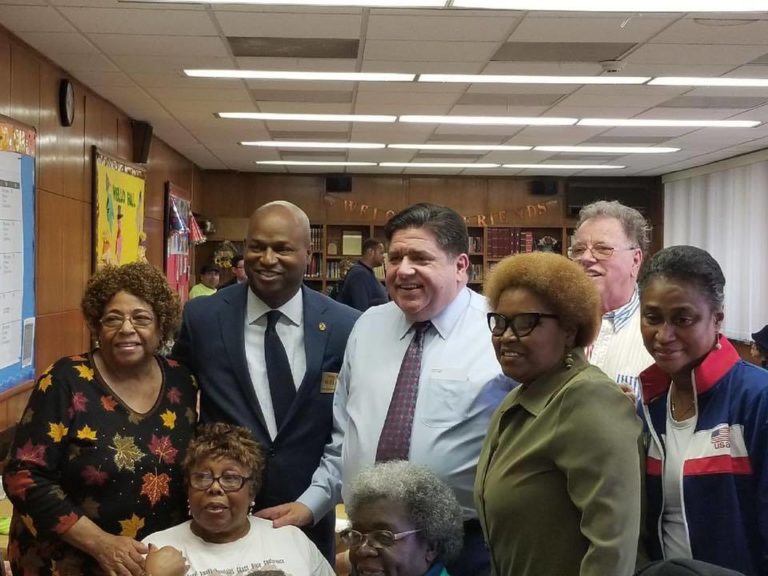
column 228, row 341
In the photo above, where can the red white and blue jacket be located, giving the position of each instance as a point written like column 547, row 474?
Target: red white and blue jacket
column 725, row 475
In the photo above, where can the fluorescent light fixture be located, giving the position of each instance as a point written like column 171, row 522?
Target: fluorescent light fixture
column 286, row 144
column 318, row 163
column 646, row 123
column 506, row 79
column 565, row 166
column 352, row 3
column 435, row 165
column 490, row 120
column 698, row 81
column 289, row 75
column 306, row 117
column 458, row 147
column 609, row 149
column 639, row 6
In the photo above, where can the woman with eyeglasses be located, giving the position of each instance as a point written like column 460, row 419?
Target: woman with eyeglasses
column 223, row 467
column 705, row 416
column 95, row 463
column 404, row 522
column 558, row 482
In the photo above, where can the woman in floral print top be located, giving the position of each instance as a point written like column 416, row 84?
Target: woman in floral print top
column 96, row 462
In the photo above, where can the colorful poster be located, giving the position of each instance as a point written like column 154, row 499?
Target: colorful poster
column 177, row 241
column 119, row 235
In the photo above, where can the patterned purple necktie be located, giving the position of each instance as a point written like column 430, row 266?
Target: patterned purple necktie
column 395, row 439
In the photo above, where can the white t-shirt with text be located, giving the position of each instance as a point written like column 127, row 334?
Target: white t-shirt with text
column 264, row 550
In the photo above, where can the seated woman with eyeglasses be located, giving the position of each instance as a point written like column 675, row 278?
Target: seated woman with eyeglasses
column 557, row 488
column 224, row 466
column 95, row 464
column 404, row 522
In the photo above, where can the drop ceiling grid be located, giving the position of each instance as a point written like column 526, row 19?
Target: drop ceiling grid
column 138, row 41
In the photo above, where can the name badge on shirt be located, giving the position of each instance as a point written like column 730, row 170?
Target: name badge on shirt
column 328, row 383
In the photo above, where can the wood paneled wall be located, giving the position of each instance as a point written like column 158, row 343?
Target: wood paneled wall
column 499, row 200
column 229, row 198
column 29, row 87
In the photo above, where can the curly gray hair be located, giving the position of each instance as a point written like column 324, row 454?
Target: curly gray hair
column 634, row 224
column 431, row 506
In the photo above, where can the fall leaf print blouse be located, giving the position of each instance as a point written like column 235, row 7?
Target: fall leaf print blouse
column 80, row 451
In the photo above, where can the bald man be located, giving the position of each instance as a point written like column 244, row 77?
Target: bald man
column 228, row 341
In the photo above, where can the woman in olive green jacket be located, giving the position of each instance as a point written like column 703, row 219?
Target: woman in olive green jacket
column 558, row 481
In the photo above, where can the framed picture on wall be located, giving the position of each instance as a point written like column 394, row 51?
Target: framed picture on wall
column 118, row 211
column 178, row 212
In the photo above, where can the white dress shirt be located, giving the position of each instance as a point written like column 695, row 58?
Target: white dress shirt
column 618, row 349
column 460, row 386
column 290, row 328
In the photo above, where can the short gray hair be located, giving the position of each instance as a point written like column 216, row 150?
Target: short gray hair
column 635, row 226
column 430, row 505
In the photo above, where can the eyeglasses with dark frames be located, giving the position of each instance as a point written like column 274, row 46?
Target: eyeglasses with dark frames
column 521, row 324
column 598, row 251
column 137, row 319
column 229, row 482
column 376, row 538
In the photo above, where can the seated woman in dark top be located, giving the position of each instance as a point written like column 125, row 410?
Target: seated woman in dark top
column 96, row 462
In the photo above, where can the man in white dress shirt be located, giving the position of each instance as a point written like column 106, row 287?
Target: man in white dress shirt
column 609, row 242
column 460, row 383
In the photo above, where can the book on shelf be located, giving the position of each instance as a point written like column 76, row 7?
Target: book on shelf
column 314, row 266
column 316, row 237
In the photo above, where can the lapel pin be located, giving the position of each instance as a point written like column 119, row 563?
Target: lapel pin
column 321, row 326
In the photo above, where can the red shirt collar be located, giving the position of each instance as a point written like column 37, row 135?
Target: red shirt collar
column 705, row 375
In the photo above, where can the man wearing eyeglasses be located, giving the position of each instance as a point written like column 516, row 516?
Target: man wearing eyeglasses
column 420, row 380
column 609, row 243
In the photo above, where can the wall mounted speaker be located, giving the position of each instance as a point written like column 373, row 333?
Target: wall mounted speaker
column 338, row 183
column 142, row 140
column 544, row 187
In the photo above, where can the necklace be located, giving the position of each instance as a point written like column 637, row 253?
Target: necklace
column 681, row 416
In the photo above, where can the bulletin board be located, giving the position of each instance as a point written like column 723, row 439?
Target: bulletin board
column 118, row 206
column 178, row 211
column 17, row 253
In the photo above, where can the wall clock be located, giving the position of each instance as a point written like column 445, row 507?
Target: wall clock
column 66, row 103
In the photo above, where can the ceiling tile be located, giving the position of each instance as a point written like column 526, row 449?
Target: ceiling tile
column 715, row 30
column 325, row 96
column 622, row 29
column 561, row 51
column 507, row 100
column 445, row 26
column 297, row 25
column 722, row 102
column 417, row 98
column 85, row 64
column 429, row 51
column 627, row 140
column 140, row 21
column 59, row 42
column 683, row 54
column 188, row 47
column 33, row 19
column 274, row 47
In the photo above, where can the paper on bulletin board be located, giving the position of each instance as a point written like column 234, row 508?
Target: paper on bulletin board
column 17, row 253
column 119, row 211
column 177, row 241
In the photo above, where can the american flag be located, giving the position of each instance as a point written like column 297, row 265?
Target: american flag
column 720, row 434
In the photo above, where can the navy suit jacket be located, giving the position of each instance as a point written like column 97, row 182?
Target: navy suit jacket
column 212, row 345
